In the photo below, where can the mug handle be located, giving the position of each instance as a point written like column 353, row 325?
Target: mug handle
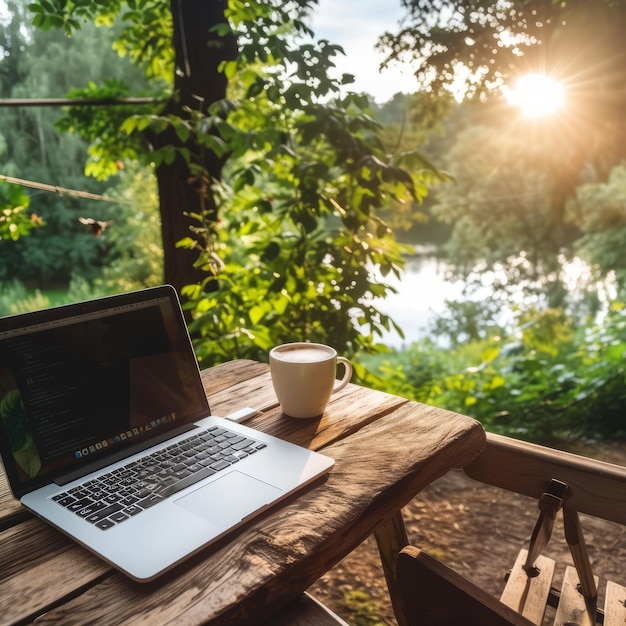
column 347, row 375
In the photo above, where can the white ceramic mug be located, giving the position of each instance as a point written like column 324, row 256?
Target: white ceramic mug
column 303, row 375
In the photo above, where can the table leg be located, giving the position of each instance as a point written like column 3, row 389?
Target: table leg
column 391, row 537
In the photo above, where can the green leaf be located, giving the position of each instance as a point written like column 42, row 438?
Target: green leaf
column 182, row 132
column 187, row 242
column 257, row 313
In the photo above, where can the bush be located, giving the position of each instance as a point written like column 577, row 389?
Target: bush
column 549, row 380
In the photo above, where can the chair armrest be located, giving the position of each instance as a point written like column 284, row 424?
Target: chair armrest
column 595, row 487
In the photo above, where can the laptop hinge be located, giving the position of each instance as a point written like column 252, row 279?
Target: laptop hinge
column 64, row 479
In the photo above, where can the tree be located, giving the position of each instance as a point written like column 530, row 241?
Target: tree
column 509, row 205
column 297, row 171
column 501, row 207
column 40, row 64
column 176, row 43
column 474, row 48
column 14, row 222
column 304, row 188
column 600, row 209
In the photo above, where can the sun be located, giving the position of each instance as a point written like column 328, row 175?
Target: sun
column 536, row 95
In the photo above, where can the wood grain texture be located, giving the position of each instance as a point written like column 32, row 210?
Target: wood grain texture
column 274, row 560
column 386, row 450
column 9, row 506
column 529, row 595
column 391, row 538
column 615, row 605
column 595, row 487
column 572, row 608
column 227, row 375
column 40, row 566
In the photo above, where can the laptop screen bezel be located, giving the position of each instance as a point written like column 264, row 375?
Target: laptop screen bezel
column 55, row 314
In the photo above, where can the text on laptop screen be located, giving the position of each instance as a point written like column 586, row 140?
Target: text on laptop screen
column 75, row 388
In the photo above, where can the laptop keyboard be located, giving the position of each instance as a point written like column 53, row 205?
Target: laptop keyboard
column 125, row 492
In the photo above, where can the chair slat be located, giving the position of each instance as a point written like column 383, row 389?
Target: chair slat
column 614, row 605
column 529, row 595
column 572, row 608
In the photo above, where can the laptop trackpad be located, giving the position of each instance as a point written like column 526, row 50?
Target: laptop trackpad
column 229, row 499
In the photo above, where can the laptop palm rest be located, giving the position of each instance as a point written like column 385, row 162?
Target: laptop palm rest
column 229, row 499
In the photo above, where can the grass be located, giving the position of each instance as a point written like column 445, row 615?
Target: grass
column 362, row 608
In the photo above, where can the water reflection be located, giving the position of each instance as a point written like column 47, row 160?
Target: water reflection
column 422, row 292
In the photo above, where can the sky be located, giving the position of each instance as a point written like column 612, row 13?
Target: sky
column 356, row 25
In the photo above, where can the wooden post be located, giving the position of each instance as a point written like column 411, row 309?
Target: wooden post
column 391, row 537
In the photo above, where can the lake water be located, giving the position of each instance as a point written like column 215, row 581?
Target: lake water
column 421, row 295
column 422, row 292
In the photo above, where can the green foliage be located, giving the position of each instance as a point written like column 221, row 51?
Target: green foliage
column 14, row 222
column 500, row 204
column 600, row 212
column 145, row 36
column 47, row 64
column 509, row 225
column 135, row 252
column 310, row 185
column 300, row 227
column 515, row 176
column 547, row 381
column 305, row 182
column 469, row 320
column 100, row 126
column 16, row 298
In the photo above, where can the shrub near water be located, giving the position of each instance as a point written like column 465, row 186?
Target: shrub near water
column 549, row 380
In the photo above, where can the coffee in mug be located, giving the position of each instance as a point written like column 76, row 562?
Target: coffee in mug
column 303, row 375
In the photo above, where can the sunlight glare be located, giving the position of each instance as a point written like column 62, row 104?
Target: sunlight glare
column 537, row 95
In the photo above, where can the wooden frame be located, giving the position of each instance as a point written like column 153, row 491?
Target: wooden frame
column 427, row 592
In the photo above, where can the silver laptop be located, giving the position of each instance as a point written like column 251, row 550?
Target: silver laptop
column 106, row 433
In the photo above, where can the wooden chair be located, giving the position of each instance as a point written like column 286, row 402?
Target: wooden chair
column 431, row 594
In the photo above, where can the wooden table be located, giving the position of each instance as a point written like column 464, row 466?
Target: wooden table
column 386, row 450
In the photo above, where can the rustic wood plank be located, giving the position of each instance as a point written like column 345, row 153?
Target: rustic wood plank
column 347, row 412
column 378, row 470
column 11, row 511
column 578, row 549
column 40, row 566
column 234, row 380
column 614, row 605
column 572, row 608
column 243, row 383
column 229, row 393
column 225, row 375
column 391, row 538
column 529, row 595
column 595, row 487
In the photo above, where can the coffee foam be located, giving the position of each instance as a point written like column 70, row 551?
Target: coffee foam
column 302, row 355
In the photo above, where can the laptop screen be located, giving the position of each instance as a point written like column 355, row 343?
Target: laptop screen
column 80, row 382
